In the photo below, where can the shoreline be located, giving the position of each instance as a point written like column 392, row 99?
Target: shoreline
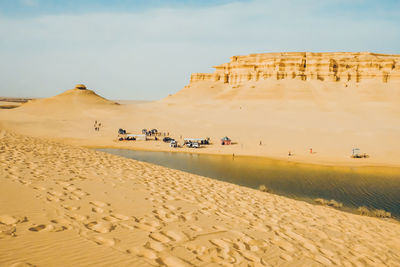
column 271, row 158
column 307, row 199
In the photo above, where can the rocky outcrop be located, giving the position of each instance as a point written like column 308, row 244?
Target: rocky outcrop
column 304, row 66
column 80, row 86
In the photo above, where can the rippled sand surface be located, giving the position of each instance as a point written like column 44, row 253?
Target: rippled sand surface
column 62, row 205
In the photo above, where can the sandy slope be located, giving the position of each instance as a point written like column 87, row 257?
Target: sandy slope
column 284, row 115
column 68, row 206
column 7, row 104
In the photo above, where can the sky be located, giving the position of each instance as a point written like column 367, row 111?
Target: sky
column 145, row 50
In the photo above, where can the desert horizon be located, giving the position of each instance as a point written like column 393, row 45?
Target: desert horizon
column 188, row 133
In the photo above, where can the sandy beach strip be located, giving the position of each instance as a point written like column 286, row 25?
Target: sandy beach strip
column 63, row 205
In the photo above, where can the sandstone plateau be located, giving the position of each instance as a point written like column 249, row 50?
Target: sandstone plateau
column 335, row 67
column 296, row 75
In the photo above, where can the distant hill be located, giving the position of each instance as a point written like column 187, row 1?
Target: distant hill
column 77, row 99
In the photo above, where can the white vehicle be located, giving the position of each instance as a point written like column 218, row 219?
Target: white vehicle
column 173, row 143
column 195, row 145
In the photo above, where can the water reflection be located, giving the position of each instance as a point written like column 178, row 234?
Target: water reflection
column 374, row 187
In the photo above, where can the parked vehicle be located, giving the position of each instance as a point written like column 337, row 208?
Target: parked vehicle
column 121, row 131
column 167, row 139
column 200, row 141
column 356, row 154
column 173, row 143
column 193, row 144
column 226, row 141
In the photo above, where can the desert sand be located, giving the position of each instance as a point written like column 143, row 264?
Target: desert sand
column 64, row 204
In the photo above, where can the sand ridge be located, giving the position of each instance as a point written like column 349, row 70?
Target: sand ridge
column 100, row 209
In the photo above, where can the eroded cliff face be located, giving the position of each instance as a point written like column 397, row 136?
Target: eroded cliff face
column 305, row 66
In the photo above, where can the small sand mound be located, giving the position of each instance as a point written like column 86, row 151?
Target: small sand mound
column 77, row 99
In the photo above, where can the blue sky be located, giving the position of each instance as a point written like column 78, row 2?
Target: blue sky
column 148, row 49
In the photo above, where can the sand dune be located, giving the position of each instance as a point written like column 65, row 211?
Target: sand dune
column 70, row 101
column 352, row 94
column 70, row 206
column 331, row 120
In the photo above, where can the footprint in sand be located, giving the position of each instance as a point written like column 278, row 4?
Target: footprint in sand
column 143, row 252
column 169, row 207
column 145, row 227
column 73, row 197
column 186, row 216
column 169, row 260
column 100, row 227
column 156, row 246
column 120, row 217
column 7, row 229
column 79, row 193
column 70, row 187
column 250, row 256
column 99, row 204
column 220, row 243
column 97, row 210
column 65, row 184
column 9, row 220
column 41, row 188
column 25, row 182
column 174, row 235
column 39, row 228
column 196, row 228
column 51, row 198
column 126, row 226
column 70, row 207
column 61, row 224
column 55, row 193
column 110, row 219
column 239, row 245
column 160, row 237
column 78, row 217
column 106, row 241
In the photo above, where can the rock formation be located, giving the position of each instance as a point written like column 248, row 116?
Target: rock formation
column 80, row 86
column 305, row 66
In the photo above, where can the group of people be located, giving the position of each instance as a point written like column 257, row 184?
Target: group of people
column 97, row 126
